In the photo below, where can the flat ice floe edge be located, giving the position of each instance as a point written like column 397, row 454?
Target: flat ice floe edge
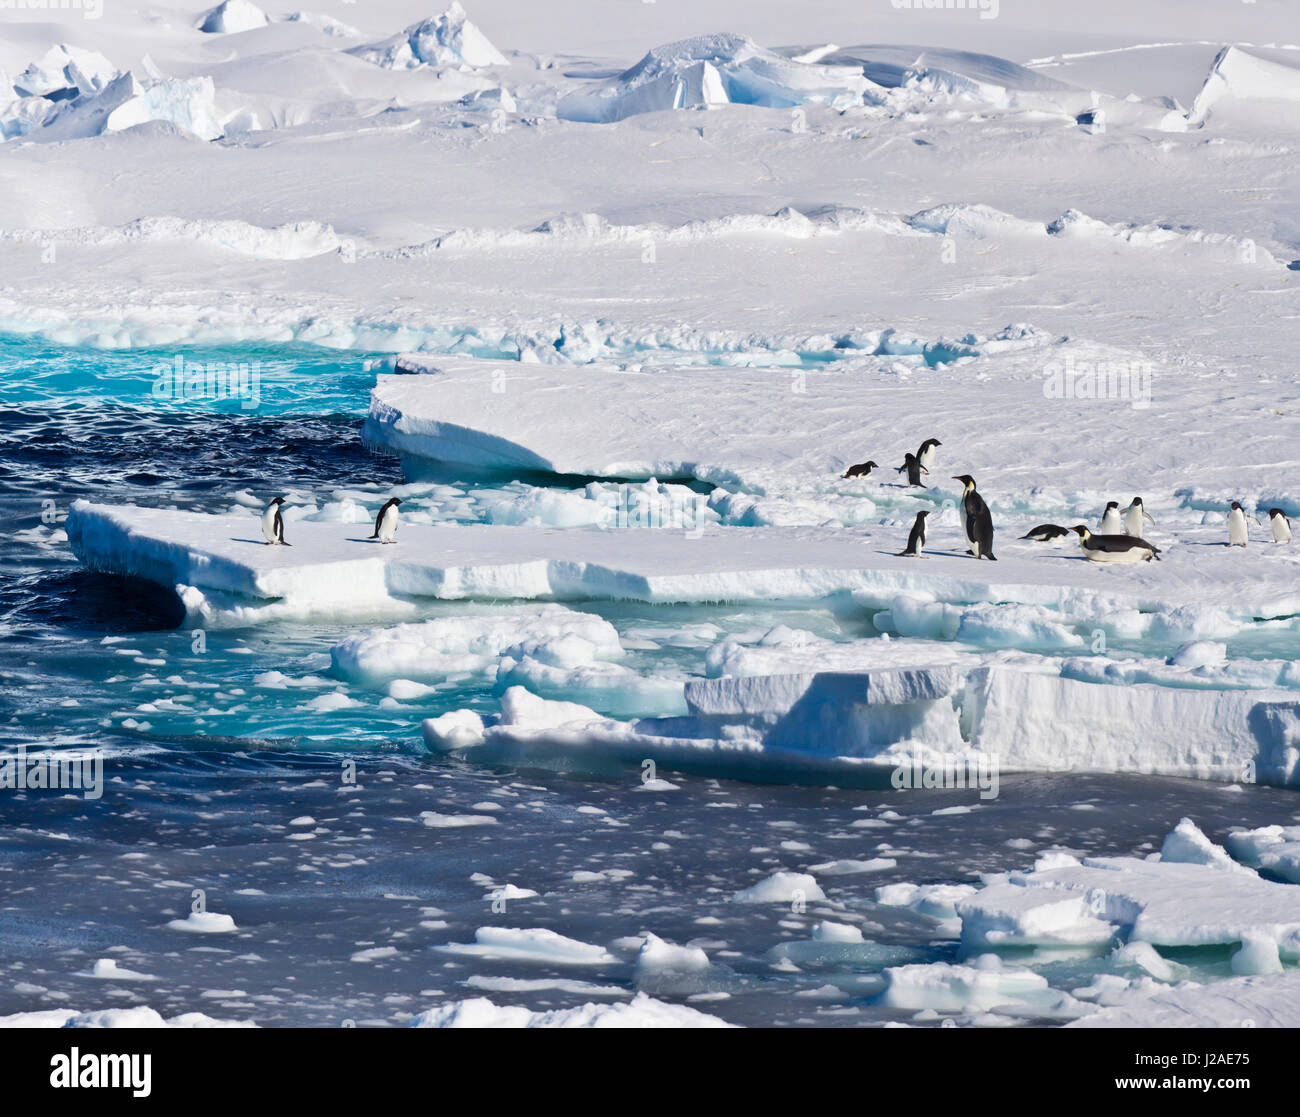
column 783, row 706
column 335, row 568
column 947, row 723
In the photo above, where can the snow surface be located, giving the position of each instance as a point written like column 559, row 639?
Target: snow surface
column 1246, row 1002
column 642, row 1011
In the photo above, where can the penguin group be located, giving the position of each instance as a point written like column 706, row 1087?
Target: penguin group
column 1118, row 538
column 273, row 523
column 977, row 521
column 1238, row 534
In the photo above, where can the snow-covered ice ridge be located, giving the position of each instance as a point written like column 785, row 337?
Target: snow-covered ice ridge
column 787, row 431
column 72, row 92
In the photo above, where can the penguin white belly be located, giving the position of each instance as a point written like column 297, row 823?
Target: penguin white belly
column 268, row 526
column 388, row 526
column 1133, row 522
column 1111, row 524
column 1133, row 554
column 1236, row 530
column 1281, row 530
column 927, row 458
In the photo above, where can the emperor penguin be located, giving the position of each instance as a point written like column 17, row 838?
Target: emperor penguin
column 386, row 522
column 1134, row 514
column 1115, row 548
column 273, row 524
column 1111, row 521
column 914, row 470
column 1281, row 525
column 861, row 470
column 916, row 541
column 925, row 454
column 1046, row 533
column 1237, row 534
column 978, row 522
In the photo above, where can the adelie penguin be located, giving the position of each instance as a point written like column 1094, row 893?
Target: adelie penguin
column 978, row 521
column 1281, row 526
column 861, row 470
column 1046, row 533
column 914, row 470
column 1112, row 523
column 386, row 522
column 1134, row 514
column 925, row 454
column 916, row 541
column 1115, row 548
column 1237, row 533
column 273, row 524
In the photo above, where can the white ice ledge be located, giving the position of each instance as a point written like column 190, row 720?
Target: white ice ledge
column 333, row 569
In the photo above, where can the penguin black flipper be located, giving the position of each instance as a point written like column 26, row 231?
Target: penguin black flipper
column 279, row 529
column 378, row 520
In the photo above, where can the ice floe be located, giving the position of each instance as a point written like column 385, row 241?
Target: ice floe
column 432, row 650
column 642, row 1011
column 139, row 1017
column 538, row 945
column 1163, row 903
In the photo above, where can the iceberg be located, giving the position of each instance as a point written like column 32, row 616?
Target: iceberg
column 65, row 71
column 714, row 70
column 233, row 16
column 123, row 102
column 449, row 40
column 1241, row 85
